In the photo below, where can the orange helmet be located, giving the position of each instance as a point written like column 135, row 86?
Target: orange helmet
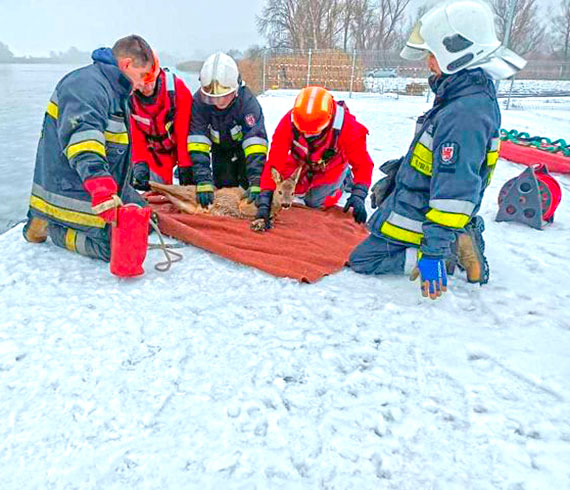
column 313, row 111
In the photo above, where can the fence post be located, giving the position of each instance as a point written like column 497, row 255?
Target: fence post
column 352, row 72
column 510, row 92
column 264, row 65
column 309, row 67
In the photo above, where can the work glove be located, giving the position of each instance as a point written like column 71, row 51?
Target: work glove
column 262, row 221
column 252, row 193
column 186, row 176
column 104, row 198
column 432, row 276
column 141, row 176
column 205, row 194
column 356, row 202
column 383, row 187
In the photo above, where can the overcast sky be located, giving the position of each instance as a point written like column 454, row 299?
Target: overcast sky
column 183, row 27
column 186, row 28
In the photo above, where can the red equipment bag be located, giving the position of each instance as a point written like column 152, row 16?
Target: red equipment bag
column 129, row 240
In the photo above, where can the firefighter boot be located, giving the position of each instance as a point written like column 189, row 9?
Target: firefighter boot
column 35, row 230
column 470, row 252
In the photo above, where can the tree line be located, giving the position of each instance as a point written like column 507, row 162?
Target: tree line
column 385, row 24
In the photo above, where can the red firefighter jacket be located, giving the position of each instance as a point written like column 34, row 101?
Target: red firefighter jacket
column 348, row 146
column 159, row 130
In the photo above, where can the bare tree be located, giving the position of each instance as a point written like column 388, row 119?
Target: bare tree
column 561, row 34
column 364, row 26
column 301, row 24
column 527, row 34
column 391, row 19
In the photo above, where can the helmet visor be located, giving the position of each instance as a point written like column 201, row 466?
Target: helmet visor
column 416, row 48
column 220, row 99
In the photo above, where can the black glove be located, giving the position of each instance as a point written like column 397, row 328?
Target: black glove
column 384, row 187
column 205, row 194
column 356, row 202
column 186, row 176
column 252, row 193
column 141, row 176
column 264, row 209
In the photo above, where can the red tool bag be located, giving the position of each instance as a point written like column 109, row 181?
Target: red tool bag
column 129, row 240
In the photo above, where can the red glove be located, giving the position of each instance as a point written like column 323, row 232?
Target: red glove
column 104, row 198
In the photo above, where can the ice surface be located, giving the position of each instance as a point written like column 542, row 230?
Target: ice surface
column 215, row 375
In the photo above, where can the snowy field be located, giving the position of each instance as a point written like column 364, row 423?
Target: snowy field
column 519, row 87
column 218, row 376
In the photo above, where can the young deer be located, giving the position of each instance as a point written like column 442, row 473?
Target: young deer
column 229, row 201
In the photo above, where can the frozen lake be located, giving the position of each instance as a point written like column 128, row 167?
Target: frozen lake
column 24, row 94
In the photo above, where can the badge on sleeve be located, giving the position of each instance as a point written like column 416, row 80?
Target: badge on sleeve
column 449, row 153
column 250, row 120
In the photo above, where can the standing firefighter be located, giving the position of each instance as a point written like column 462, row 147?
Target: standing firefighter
column 83, row 153
column 430, row 198
column 227, row 130
column 328, row 144
column 160, row 122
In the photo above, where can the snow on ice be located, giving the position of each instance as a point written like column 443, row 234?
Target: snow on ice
column 218, row 376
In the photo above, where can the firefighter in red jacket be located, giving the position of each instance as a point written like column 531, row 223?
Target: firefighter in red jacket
column 322, row 137
column 160, row 122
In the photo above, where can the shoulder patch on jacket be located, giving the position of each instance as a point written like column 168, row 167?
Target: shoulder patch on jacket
column 250, row 120
column 449, row 153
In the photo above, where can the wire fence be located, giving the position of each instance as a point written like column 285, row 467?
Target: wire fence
column 380, row 72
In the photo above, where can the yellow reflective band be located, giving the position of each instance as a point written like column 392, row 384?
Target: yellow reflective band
column 204, row 188
column 70, row 237
column 452, row 220
column 492, row 158
column 203, row 147
column 62, row 214
column 53, row 110
column 398, row 233
column 422, row 160
column 250, row 150
column 254, row 188
column 119, row 138
column 90, row 145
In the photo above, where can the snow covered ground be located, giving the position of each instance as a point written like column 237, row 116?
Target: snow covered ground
column 519, row 87
column 218, row 376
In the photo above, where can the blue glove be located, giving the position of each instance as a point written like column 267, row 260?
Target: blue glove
column 432, row 276
column 205, row 194
column 356, row 202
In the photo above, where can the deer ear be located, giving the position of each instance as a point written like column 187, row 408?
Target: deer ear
column 297, row 173
column 276, row 175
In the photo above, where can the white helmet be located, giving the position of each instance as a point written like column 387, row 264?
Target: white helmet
column 461, row 34
column 219, row 76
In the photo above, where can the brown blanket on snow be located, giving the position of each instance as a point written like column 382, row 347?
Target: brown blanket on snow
column 306, row 244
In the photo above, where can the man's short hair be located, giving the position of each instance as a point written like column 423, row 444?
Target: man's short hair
column 134, row 47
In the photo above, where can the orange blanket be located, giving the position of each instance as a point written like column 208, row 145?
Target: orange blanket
column 305, row 245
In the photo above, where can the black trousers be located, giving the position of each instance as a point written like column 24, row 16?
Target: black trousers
column 228, row 166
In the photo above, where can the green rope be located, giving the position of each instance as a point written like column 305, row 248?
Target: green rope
column 538, row 142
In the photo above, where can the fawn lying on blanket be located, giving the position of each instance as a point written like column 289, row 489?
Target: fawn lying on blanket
column 229, row 201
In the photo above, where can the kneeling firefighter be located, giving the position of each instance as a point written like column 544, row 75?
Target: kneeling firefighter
column 227, row 141
column 83, row 154
column 325, row 140
column 160, row 122
column 428, row 203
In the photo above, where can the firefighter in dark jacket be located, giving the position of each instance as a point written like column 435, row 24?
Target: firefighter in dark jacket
column 83, row 154
column 227, row 141
column 160, row 122
column 428, row 202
